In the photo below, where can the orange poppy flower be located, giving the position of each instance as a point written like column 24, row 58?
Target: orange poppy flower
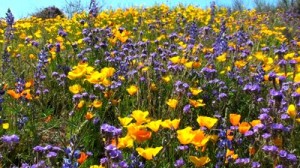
column 230, row 135
column 277, row 141
column 252, row 150
column 142, row 135
column 82, row 158
column 48, row 118
column 89, row 115
column 26, row 94
column 196, row 64
column 234, row 119
column 200, row 139
column 244, row 127
column 13, row 94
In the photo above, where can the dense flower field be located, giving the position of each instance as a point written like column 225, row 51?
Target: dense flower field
column 151, row 87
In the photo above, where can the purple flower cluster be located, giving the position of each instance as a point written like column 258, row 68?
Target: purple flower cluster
column 110, row 132
column 49, row 149
column 114, row 158
column 285, row 157
column 10, row 140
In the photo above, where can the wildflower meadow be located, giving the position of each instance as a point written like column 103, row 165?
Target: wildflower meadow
column 156, row 87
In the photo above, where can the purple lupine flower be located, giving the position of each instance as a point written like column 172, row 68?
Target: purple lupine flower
column 93, row 8
column 9, row 18
column 77, row 154
column 103, row 160
column 115, row 154
column 123, row 164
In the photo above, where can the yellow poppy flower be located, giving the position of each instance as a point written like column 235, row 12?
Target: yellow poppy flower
column 189, row 64
column 75, row 89
column 195, row 91
column 175, row 60
column 172, row 103
column 132, row 90
column 108, row 71
column 185, row 136
column 255, row 122
column 221, row 58
column 125, row 121
column 207, row 122
column 97, row 103
column 80, row 104
column 154, row 125
column 199, row 162
column 97, row 166
column 148, row 153
column 291, row 111
column 171, row 124
column 140, row 116
column 196, row 103
column 125, row 142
